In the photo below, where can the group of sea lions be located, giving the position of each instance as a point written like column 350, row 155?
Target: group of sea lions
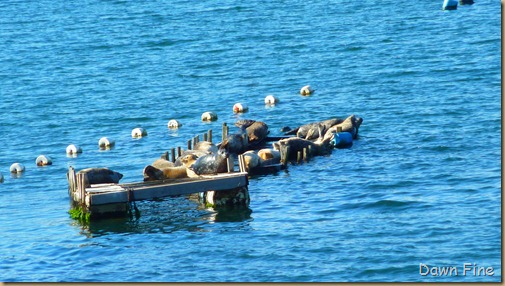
column 208, row 158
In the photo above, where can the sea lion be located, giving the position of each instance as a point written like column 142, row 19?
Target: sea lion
column 310, row 131
column 251, row 160
column 101, row 175
column 351, row 124
column 205, row 146
column 257, row 132
column 269, row 156
column 235, row 143
column 211, row 164
column 244, row 123
column 195, row 153
column 162, row 163
column 318, row 147
column 152, row 173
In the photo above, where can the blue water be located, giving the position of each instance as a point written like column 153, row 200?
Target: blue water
column 422, row 185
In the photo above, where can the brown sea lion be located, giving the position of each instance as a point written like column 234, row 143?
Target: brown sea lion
column 152, row 173
column 257, row 132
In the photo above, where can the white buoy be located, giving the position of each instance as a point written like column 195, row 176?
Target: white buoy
column 209, row 116
column 17, row 168
column 174, row 124
column 139, row 132
column 306, row 90
column 240, row 108
column 105, row 143
column 1, row 178
column 73, row 149
column 43, row 160
column 450, row 5
column 271, row 100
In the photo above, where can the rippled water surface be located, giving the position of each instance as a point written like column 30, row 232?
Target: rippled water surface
column 422, row 184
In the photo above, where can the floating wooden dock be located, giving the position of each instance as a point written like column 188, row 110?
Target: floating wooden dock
column 102, row 200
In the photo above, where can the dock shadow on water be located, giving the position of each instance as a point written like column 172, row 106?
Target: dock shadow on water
column 168, row 215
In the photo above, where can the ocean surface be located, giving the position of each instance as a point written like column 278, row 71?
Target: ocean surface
column 420, row 186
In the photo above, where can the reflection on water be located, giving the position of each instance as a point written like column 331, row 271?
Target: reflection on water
column 166, row 216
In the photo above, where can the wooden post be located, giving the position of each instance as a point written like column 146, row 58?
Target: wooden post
column 197, row 139
column 284, row 150
column 189, row 145
column 309, row 151
column 205, row 137
column 241, row 163
column 210, row 135
column 231, row 164
column 224, row 132
column 172, row 151
column 179, row 151
column 298, row 157
column 305, row 154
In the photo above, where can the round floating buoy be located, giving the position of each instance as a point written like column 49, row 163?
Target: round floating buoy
column 43, row 160
column 240, row 108
column 450, row 5
column 17, row 168
column 271, row 100
column 306, row 90
column 73, row 149
column 139, row 132
column 342, row 140
column 106, row 143
column 174, row 124
column 209, row 116
column 1, row 178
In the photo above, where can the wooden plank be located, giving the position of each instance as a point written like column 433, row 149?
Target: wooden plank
column 150, row 191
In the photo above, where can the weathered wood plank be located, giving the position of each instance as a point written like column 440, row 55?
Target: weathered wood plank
column 151, row 191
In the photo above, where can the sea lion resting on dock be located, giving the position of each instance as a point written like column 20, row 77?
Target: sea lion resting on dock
column 152, row 173
column 319, row 147
column 310, row 131
column 211, row 164
column 256, row 130
column 235, row 143
column 351, row 124
column 205, row 146
column 101, row 175
column 269, row 156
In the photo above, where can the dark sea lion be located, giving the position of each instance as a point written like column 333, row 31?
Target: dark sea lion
column 235, row 143
column 351, row 124
column 257, row 132
column 244, row 123
column 101, row 175
column 310, row 131
column 319, row 147
column 211, row 163
column 152, row 173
